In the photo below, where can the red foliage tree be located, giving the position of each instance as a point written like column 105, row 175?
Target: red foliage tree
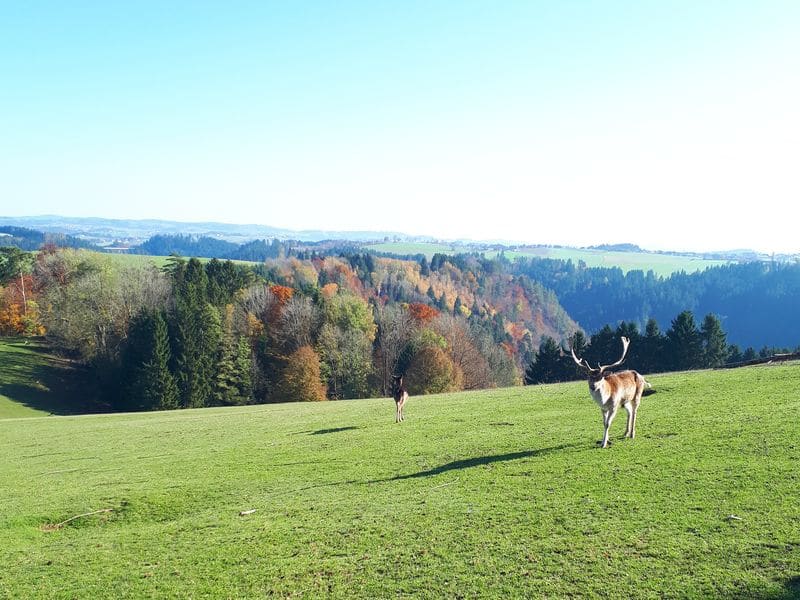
column 422, row 313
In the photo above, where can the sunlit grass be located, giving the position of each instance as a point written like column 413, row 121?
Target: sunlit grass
column 499, row 493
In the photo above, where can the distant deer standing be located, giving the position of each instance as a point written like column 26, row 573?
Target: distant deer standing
column 400, row 395
column 612, row 390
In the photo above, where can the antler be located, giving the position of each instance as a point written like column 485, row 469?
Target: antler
column 581, row 362
column 625, row 343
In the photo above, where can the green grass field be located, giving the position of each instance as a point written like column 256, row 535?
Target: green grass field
column 660, row 264
column 499, row 493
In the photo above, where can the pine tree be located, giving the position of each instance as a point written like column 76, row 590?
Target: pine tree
column 715, row 345
column 244, row 370
column 652, row 353
column 734, row 354
column 197, row 334
column 150, row 384
column 578, row 344
column 684, row 345
column 457, row 306
column 604, row 344
column 232, row 377
column 548, row 366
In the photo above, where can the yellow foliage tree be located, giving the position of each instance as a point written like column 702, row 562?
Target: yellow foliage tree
column 301, row 378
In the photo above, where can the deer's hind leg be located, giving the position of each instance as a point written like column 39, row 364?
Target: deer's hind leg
column 630, row 428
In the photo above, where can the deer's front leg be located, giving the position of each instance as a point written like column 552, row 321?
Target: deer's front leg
column 608, row 417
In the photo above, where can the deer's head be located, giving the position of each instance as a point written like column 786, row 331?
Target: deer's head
column 597, row 373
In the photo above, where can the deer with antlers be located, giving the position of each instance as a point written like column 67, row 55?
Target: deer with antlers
column 400, row 395
column 612, row 390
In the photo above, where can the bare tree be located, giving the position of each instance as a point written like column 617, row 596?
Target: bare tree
column 395, row 330
column 463, row 351
column 299, row 323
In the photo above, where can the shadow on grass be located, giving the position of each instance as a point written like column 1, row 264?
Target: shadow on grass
column 32, row 377
column 333, row 430
column 790, row 591
column 478, row 461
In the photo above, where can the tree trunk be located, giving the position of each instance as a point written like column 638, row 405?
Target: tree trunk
column 24, row 301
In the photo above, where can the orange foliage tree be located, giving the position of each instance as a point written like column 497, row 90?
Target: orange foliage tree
column 432, row 371
column 422, row 313
column 301, row 379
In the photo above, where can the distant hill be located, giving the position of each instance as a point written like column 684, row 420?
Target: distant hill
column 106, row 232
column 29, row 239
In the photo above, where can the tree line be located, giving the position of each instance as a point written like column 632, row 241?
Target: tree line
column 312, row 326
column 195, row 334
column 682, row 347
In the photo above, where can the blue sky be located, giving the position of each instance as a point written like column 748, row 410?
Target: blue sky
column 673, row 125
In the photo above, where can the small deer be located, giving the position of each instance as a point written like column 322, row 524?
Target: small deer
column 400, row 395
column 612, row 390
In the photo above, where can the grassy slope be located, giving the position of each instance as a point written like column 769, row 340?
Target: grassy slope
column 34, row 382
column 660, row 264
column 496, row 493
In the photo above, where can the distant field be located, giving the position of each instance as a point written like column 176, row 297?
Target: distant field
column 410, row 248
column 661, row 264
column 158, row 261
column 500, row 493
column 137, row 259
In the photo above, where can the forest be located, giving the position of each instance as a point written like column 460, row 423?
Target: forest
column 30, row 239
column 311, row 326
column 756, row 301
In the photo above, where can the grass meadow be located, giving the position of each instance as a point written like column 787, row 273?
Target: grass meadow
column 498, row 493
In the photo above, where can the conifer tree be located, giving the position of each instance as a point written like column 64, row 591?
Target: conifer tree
column 652, row 348
column 232, row 377
column 683, row 344
column 715, row 345
column 151, row 385
column 197, row 336
column 548, row 366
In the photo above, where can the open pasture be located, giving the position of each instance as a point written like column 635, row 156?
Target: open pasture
column 498, row 493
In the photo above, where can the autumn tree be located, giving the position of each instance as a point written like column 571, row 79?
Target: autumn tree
column 15, row 263
column 431, row 371
column 422, row 313
column 463, row 352
column 345, row 344
column 86, row 313
column 301, row 380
